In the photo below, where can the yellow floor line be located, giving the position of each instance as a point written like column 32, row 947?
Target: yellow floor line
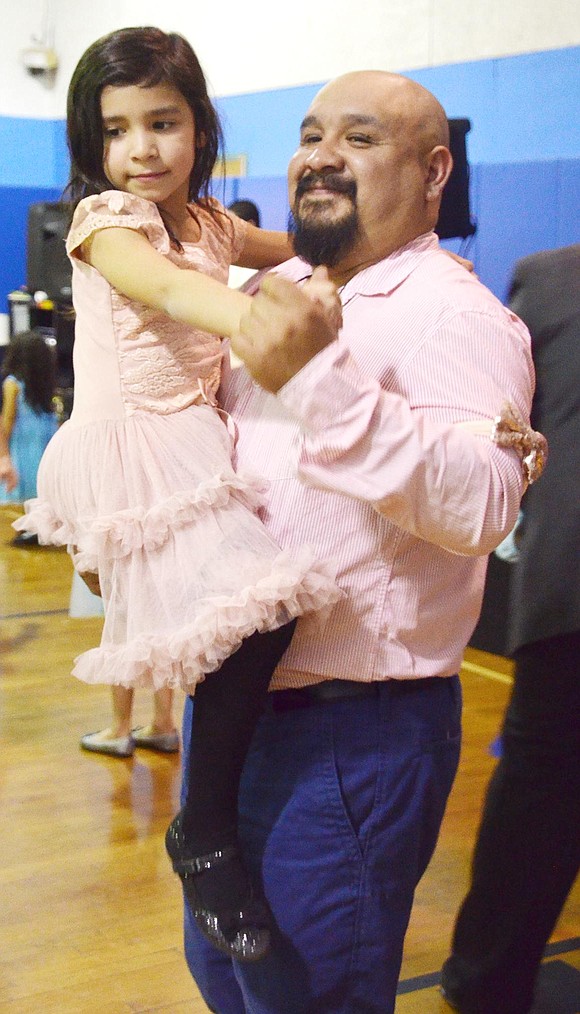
column 491, row 674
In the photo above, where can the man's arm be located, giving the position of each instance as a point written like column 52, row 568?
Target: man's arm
column 413, row 463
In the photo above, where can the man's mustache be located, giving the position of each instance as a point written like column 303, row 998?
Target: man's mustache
column 330, row 181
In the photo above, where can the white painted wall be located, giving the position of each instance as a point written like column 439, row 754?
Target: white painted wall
column 259, row 45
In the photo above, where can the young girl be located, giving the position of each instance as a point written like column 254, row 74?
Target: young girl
column 139, row 482
column 28, row 416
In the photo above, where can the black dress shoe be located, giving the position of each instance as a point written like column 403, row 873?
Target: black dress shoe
column 244, row 933
column 25, row 539
column 449, row 999
column 451, row 985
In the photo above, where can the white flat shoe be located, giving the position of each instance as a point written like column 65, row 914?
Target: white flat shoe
column 123, row 746
column 164, row 742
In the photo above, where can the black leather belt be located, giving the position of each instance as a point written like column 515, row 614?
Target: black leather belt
column 328, row 690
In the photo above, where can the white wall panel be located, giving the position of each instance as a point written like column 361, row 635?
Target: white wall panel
column 468, row 30
column 259, row 45
column 312, row 42
column 20, row 94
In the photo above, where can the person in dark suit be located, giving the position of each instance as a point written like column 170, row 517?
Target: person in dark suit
column 527, row 852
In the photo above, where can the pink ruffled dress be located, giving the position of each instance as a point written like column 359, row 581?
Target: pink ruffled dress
column 139, row 482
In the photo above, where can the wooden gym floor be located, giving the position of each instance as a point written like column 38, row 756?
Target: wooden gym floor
column 90, row 917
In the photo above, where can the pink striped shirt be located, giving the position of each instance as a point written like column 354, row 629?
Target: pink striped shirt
column 367, row 461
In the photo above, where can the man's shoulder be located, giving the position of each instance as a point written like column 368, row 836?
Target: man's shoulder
column 421, row 272
column 442, row 288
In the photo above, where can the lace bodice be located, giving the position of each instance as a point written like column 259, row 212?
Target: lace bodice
column 130, row 357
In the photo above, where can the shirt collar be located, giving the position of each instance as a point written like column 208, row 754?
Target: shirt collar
column 378, row 279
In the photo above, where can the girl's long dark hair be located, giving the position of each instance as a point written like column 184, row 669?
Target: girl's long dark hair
column 31, row 360
column 145, row 57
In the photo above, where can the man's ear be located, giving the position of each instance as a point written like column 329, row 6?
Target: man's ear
column 440, row 164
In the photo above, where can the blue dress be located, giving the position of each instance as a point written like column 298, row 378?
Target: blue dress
column 30, row 434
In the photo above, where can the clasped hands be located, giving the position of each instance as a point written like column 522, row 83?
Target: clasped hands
column 286, row 326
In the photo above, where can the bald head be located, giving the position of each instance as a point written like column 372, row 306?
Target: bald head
column 374, row 154
column 409, row 105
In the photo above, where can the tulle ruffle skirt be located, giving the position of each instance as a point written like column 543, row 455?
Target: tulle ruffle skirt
column 187, row 569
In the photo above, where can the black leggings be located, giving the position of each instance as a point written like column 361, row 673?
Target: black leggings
column 226, row 710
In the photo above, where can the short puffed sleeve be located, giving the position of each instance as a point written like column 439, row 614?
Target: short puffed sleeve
column 113, row 209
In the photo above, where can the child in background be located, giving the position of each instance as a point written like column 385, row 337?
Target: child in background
column 28, row 416
column 120, row 739
column 139, row 481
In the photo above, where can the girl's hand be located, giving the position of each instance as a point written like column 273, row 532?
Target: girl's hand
column 92, row 582
column 462, row 261
column 323, row 291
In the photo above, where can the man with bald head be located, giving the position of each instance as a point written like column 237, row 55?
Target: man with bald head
column 380, row 449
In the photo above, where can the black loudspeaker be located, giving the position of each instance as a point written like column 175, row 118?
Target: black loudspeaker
column 47, row 267
column 454, row 216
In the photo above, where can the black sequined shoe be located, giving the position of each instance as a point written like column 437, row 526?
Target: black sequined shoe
column 243, row 934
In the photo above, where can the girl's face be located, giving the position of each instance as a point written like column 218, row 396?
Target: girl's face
column 149, row 142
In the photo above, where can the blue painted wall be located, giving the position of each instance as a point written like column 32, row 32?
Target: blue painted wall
column 32, row 153
column 33, row 168
column 524, row 150
column 14, row 205
column 522, row 108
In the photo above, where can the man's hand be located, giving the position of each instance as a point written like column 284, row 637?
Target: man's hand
column 8, row 474
column 320, row 288
column 282, row 331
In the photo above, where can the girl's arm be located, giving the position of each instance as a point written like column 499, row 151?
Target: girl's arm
column 264, row 249
column 132, row 266
column 8, row 474
column 9, row 402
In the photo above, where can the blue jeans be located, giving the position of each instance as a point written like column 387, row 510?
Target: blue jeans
column 340, row 808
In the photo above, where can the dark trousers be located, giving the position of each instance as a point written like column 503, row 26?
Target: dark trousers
column 527, row 853
column 340, row 807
